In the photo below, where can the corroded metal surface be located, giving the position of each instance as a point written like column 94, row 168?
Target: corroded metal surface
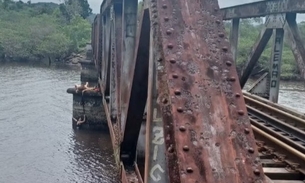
column 138, row 93
column 234, row 33
column 204, row 114
column 123, row 174
column 116, row 59
column 130, row 44
column 100, row 46
column 197, row 97
column 155, row 155
column 263, row 8
column 105, row 65
column 96, row 25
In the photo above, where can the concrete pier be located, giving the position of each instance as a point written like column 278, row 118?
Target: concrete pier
column 88, row 106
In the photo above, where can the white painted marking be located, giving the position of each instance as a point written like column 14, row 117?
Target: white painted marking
column 156, row 178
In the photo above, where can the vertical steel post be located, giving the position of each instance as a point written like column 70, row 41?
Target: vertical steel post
column 234, row 37
column 275, row 65
column 155, row 159
column 130, row 9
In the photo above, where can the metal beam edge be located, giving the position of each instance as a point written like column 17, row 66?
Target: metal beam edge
column 263, row 8
column 107, row 3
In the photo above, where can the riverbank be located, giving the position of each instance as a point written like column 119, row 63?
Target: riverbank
column 291, row 77
column 72, row 61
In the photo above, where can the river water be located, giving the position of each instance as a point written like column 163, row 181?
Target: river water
column 37, row 142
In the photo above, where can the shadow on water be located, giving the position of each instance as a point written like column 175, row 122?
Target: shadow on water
column 92, row 165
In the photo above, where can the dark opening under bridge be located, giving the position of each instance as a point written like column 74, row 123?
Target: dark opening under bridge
column 172, row 99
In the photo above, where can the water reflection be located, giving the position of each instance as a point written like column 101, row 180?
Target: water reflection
column 92, row 157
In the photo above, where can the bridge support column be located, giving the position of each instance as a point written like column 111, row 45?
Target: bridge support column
column 88, row 110
column 88, row 73
column 275, row 65
column 88, row 106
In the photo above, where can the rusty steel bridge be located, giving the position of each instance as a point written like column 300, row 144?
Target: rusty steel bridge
column 167, row 75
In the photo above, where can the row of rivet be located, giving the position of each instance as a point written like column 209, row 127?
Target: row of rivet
column 237, row 95
column 177, row 91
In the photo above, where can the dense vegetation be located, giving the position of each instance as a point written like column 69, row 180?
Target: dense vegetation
column 36, row 31
column 43, row 30
column 249, row 32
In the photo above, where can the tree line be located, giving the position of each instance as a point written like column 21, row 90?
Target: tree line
column 34, row 31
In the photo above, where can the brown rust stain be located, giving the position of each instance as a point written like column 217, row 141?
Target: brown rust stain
column 208, row 116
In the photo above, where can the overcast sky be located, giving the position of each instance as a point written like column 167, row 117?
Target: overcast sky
column 95, row 4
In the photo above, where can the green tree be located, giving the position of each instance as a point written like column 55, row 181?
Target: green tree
column 86, row 10
column 72, row 8
column 38, row 30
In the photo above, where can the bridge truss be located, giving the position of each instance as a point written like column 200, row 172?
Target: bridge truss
column 171, row 91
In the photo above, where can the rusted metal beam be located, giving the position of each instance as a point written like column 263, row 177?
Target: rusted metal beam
column 106, row 4
column 97, row 30
column 116, row 59
column 263, row 8
column 123, row 174
column 105, row 65
column 94, row 41
column 295, row 42
column 234, row 33
column 100, row 46
column 256, row 52
column 138, row 96
column 130, row 9
column 206, row 126
column 155, row 151
column 103, row 51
